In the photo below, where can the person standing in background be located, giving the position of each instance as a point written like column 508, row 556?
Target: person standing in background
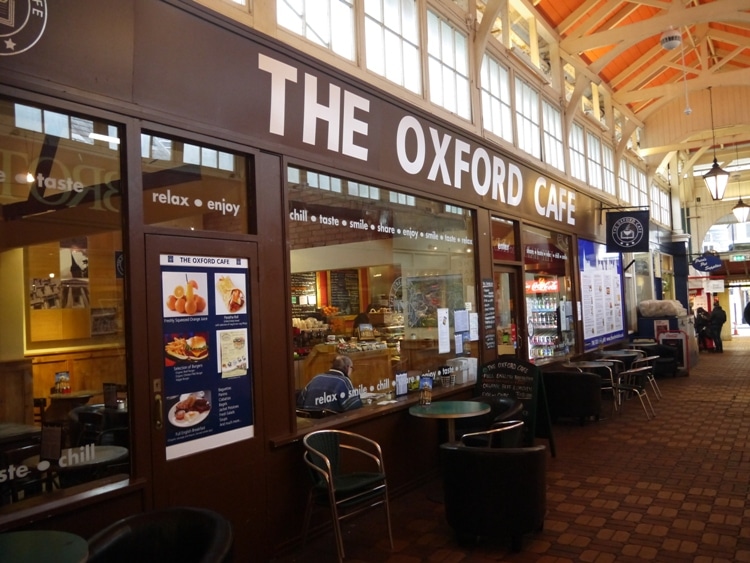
column 717, row 318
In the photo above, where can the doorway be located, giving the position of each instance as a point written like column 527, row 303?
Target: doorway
column 508, row 339
column 202, row 298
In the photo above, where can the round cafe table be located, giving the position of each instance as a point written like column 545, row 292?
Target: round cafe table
column 627, row 356
column 34, row 546
column 450, row 411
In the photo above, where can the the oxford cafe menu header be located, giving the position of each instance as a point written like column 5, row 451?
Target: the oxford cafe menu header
column 207, row 367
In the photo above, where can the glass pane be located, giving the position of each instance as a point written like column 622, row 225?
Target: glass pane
column 376, row 258
column 550, row 302
column 504, row 245
column 62, row 339
column 193, row 187
column 506, row 326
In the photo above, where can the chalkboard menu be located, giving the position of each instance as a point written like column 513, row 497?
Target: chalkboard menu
column 508, row 376
column 488, row 302
column 303, row 288
column 345, row 291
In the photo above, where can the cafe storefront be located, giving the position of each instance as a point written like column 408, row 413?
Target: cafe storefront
column 180, row 254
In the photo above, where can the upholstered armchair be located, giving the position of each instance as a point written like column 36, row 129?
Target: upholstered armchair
column 574, row 395
column 494, row 492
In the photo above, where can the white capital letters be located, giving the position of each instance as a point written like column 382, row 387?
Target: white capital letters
column 353, row 125
column 409, row 123
column 314, row 111
column 280, row 74
column 460, row 165
column 439, row 162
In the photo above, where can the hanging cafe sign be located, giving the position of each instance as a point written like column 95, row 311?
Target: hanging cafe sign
column 627, row 231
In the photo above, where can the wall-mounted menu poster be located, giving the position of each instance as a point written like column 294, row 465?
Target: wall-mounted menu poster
column 207, row 356
column 601, row 294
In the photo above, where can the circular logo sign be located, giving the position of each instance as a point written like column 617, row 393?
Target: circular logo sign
column 627, row 232
column 22, row 24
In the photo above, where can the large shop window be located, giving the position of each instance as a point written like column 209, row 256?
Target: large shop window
column 383, row 277
column 193, row 187
column 63, row 416
column 550, row 304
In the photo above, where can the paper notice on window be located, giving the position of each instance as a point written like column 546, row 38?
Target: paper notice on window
column 444, row 337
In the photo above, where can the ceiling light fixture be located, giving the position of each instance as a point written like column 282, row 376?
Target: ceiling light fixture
column 670, row 39
column 741, row 210
column 716, row 179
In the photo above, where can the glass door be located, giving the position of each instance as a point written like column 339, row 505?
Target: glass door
column 509, row 341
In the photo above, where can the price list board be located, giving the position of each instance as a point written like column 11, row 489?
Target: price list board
column 345, row 291
column 507, row 376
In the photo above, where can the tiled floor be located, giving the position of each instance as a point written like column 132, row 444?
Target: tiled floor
column 673, row 489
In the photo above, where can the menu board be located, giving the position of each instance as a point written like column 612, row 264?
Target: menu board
column 345, row 291
column 207, row 367
column 508, row 376
column 601, row 295
column 488, row 303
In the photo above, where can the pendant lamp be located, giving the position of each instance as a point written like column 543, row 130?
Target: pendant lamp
column 716, row 179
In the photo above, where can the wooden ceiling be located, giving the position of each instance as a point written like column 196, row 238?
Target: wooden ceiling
column 619, row 41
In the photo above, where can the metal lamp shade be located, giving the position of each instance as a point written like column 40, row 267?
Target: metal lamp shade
column 741, row 211
column 716, row 181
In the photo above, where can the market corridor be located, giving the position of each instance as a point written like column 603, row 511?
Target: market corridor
column 623, row 489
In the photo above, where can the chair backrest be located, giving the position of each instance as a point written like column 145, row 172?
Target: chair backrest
column 187, row 535
column 323, row 451
column 502, row 434
column 40, row 404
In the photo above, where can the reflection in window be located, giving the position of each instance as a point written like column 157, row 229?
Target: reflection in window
column 62, row 297
column 404, row 262
column 193, row 187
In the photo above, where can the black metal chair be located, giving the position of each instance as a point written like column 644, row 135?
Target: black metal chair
column 184, row 534
column 345, row 492
column 503, row 434
column 501, row 408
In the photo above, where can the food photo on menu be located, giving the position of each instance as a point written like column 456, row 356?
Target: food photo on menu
column 184, row 294
column 230, row 297
column 189, row 409
column 185, row 348
column 233, row 352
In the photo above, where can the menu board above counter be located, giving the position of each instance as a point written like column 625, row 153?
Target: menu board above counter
column 304, row 293
column 345, row 291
